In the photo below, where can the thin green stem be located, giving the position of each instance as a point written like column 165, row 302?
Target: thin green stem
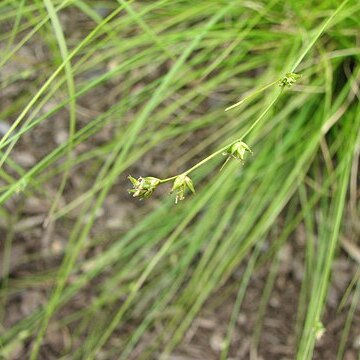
column 252, row 95
column 224, row 148
column 322, row 29
column 262, row 115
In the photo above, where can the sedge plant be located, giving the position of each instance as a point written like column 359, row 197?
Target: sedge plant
column 94, row 91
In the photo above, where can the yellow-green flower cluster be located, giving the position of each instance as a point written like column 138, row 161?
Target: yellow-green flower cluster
column 143, row 188
column 289, row 79
column 181, row 184
column 238, row 150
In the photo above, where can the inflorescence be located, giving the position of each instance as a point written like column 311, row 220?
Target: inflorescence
column 288, row 80
column 143, row 188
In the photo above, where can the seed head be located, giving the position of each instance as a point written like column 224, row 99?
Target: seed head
column 143, row 187
column 238, row 150
column 181, row 183
column 289, row 79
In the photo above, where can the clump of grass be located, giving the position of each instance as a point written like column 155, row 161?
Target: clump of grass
column 127, row 79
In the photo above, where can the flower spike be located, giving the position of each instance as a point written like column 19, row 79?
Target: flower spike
column 143, row 188
column 181, row 183
column 289, row 79
column 236, row 150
